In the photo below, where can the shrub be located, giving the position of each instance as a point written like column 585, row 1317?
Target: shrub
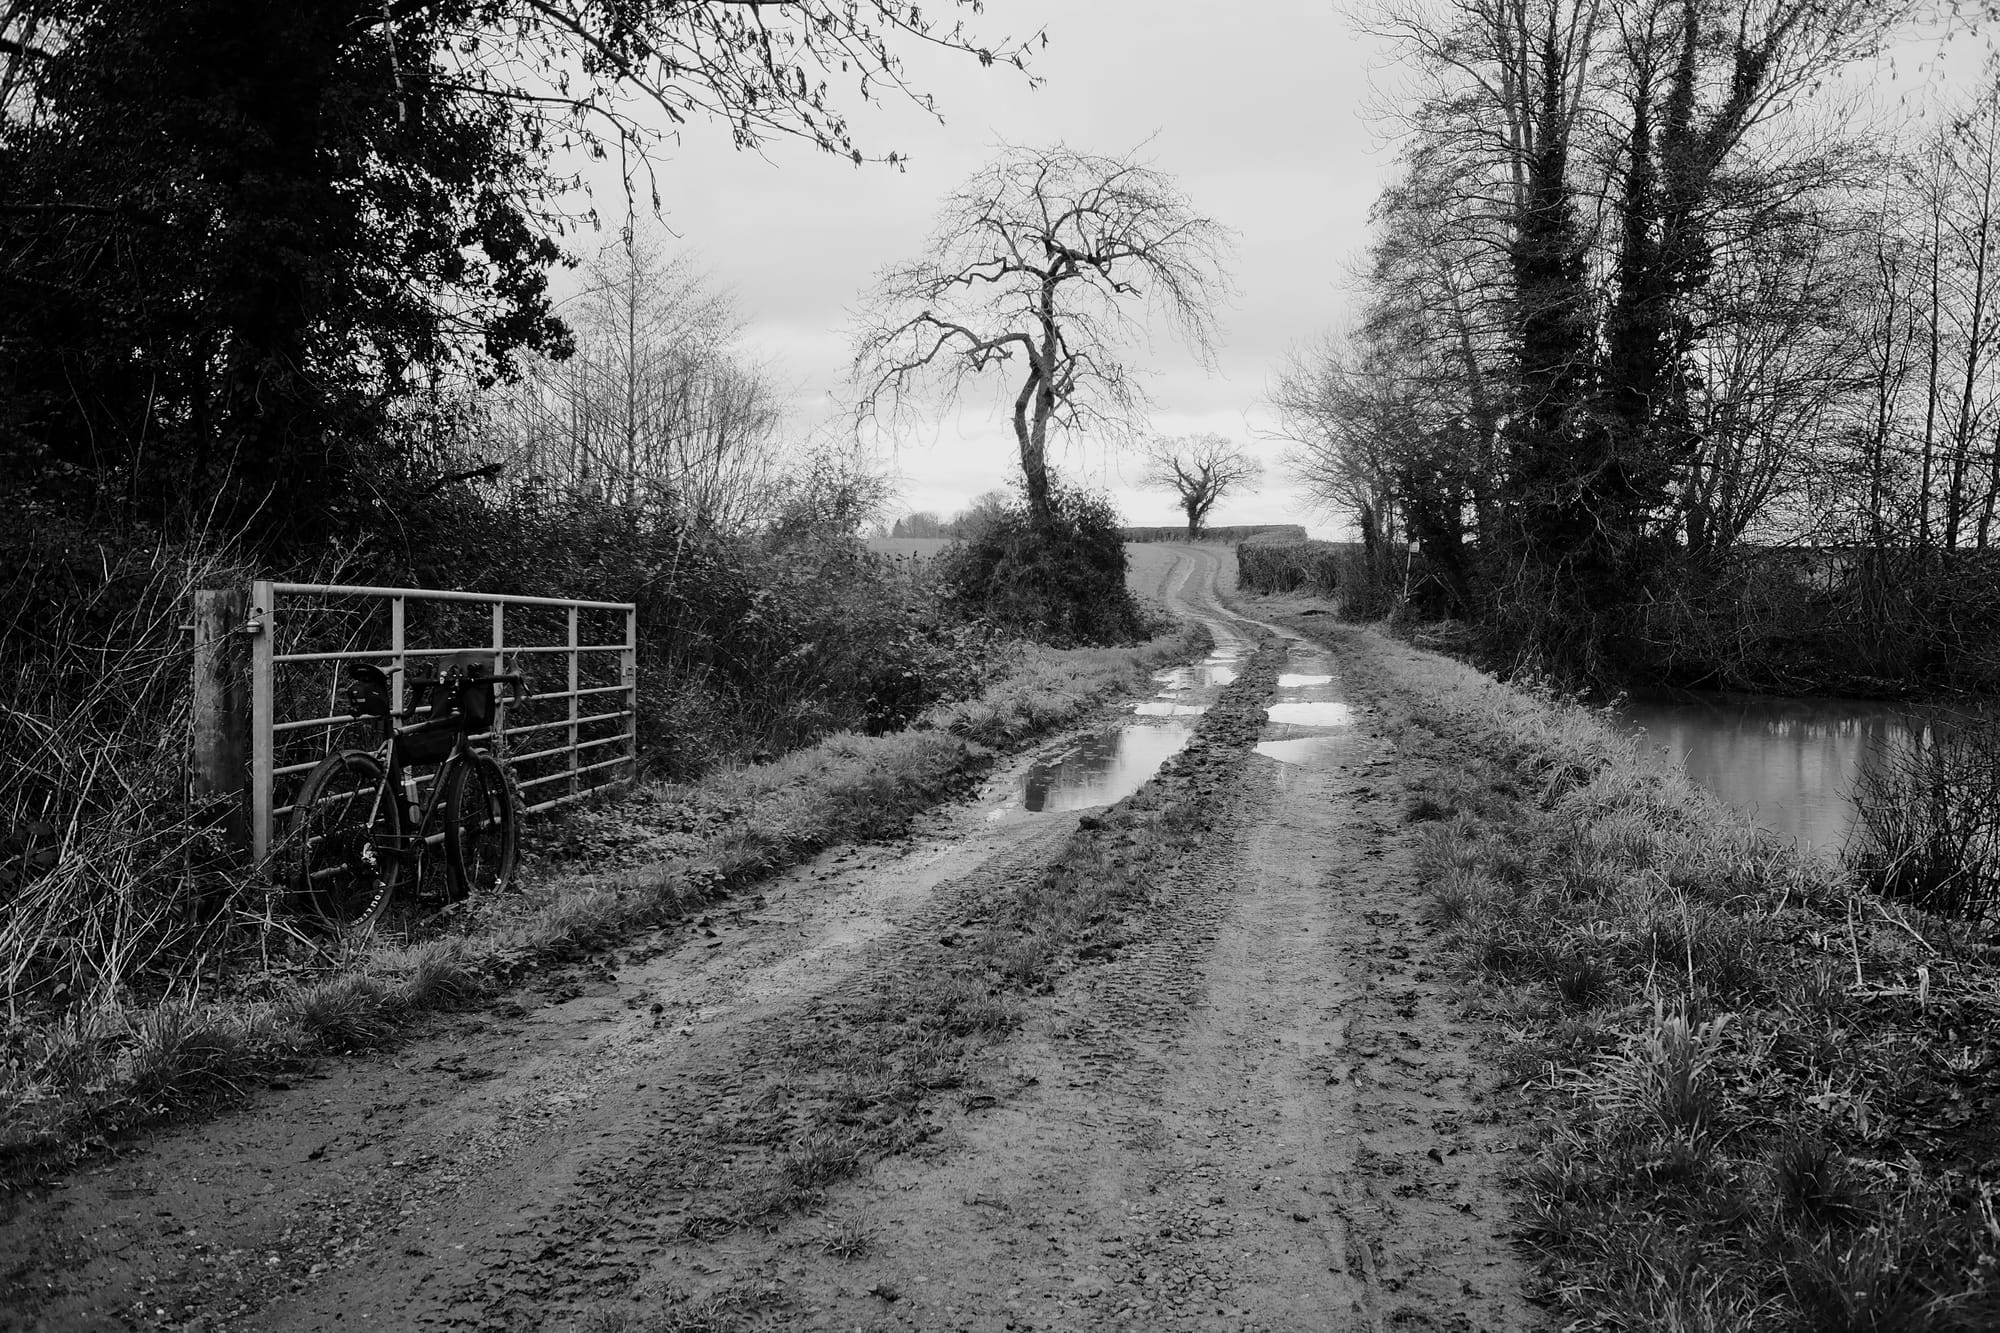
column 1342, row 572
column 1298, row 566
column 1063, row 587
column 1929, row 829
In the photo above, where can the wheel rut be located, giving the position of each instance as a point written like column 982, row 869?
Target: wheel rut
column 1256, row 1110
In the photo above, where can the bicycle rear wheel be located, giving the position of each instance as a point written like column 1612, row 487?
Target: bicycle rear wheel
column 481, row 839
column 344, row 841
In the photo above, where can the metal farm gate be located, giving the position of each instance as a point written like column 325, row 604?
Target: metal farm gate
column 580, row 661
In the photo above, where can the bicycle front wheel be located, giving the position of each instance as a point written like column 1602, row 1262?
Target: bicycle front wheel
column 345, row 840
column 480, row 838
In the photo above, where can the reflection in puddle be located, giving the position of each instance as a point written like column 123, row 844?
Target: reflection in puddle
column 1105, row 768
column 1291, row 682
column 1307, row 752
column 1202, row 675
column 1168, row 708
column 1323, row 713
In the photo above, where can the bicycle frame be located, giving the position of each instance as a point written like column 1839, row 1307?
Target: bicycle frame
column 416, row 814
column 348, row 866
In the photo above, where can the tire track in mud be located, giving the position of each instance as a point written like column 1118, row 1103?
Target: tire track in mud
column 700, row 1160
column 372, row 1189
column 1259, row 1114
column 1243, row 1104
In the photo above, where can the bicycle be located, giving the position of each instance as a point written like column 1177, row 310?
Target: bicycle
column 358, row 824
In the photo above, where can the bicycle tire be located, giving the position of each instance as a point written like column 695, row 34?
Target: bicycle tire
column 344, row 830
column 482, row 833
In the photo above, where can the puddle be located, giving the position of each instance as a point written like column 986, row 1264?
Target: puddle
column 1212, row 672
column 1107, row 767
column 1312, row 730
column 1313, row 713
column 1116, row 762
column 1304, row 751
column 1168, row 708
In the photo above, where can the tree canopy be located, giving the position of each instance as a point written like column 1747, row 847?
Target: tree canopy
column 1599, row 319
column 235, row 236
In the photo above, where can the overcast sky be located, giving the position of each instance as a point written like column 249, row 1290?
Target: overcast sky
column 1259, row 119
column 1260, row 112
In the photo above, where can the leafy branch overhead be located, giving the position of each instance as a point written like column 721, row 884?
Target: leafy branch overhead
column 1044, row 268
column 235, row 236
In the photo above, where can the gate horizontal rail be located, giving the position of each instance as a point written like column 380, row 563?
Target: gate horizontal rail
column 575, row 768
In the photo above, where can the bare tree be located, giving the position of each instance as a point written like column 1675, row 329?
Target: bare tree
column 655, row 409
column 1044, row 266
column 1199, row 469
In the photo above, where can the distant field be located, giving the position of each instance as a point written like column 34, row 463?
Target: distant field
column 1149, row 562
column 921, row 547
column 1150, row 566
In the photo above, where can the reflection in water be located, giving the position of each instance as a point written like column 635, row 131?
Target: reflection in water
column 1316, row 713
column 1105, row 768
column 1212, row 672
column 1791, row 764
column 1315, row 706
column 1168, row 708
column 1307, row 752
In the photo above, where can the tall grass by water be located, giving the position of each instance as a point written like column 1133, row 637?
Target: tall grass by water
column 1929, row 820
column 1769, row 1093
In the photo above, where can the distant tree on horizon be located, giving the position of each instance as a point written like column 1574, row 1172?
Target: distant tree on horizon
column 1199, row 470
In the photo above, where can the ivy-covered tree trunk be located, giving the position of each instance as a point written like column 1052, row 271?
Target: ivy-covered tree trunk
column 1555, row 449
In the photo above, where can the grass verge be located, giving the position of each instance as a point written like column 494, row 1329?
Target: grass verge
column 69, row 1087
column 1773, row 1098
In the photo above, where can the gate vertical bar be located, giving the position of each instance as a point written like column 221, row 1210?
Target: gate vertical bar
column 629, row 664
column 574, row 683
column 396, row 649
column 263, row 741
column 499, row 659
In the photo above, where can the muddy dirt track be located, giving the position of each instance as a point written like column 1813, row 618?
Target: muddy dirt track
column 1259, row 1112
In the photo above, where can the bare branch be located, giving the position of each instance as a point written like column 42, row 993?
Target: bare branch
column 1050, row 262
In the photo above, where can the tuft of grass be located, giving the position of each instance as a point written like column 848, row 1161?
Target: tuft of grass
column 1458, row 894
column 181, row 1057
column 846, row 1240
column 351, row 1012
column 1579, row 977
column 442, row 974
column 1665, row 1075
column 820, row 1158
column 675, row 1310
column 1814, row 1186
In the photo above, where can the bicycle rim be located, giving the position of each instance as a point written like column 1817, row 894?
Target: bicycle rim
column 480, row 838
column 343, row 835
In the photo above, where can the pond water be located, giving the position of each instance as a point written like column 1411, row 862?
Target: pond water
column 1793, row 765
